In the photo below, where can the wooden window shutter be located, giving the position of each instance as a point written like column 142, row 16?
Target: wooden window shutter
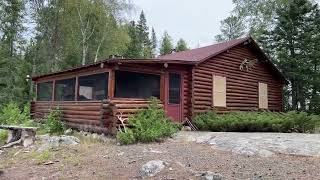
column 219, row 91
column 263, row 96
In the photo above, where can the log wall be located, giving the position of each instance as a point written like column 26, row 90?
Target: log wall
column 92, row 116
column 242, row 86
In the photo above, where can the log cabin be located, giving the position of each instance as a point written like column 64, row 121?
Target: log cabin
column 231, row 76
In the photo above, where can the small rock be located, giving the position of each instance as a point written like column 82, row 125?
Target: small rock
column 48, row 163
column 170, row 169
column 133, row 161
column 151, row 168
column 120, row 154
column 208, row 175
column 68, row 131
column 1, row 172
column 186, row 128
column 1, row 152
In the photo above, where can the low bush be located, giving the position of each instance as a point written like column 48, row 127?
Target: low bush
column 3, row 136
column 12, row 115
column 148, row 125
column 257, row 122
column 126, row 137
column 53, row 123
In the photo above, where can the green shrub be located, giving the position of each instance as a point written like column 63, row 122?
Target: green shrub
column 53, row 123
column 12, row 115
column 126, row 137
column 3, row 136
column 257, row 122
column 148, row 125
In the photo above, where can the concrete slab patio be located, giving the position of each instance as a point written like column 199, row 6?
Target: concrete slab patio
column 262, row 144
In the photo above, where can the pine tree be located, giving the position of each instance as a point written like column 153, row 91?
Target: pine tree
column 231, row 28
column 154, row 43
column 143, row 34
column 11, row 61
column 134, row 48
column 181, row 45
column 290, row 41
column 166, row 44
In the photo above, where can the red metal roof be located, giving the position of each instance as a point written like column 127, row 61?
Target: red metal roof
column 203, row 53
column 189, row 57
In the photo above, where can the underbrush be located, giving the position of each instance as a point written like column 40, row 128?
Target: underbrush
column 3, row 136
column 258, row 122
column 11, row 114
column 53, row 124
column 148, row 125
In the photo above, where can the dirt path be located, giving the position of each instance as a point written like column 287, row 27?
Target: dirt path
column 96, row 160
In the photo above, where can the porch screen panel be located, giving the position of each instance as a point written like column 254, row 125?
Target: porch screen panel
column 44, row 91
column 136, row 85
column 65, row 90
column 93, row 87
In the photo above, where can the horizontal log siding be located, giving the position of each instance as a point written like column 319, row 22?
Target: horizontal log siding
column 242, row 87
column 87, row 116
column 126, row 107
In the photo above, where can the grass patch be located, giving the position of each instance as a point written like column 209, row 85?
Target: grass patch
column 148, row 125
column 258, row 122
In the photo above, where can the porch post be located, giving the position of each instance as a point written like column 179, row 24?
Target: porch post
column 77, row 89
column 53, row 90
column 111, row 84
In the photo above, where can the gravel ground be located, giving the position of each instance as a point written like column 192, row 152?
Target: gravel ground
column 106, row 160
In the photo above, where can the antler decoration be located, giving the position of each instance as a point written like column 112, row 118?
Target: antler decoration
column 119, row 116
column 248, row 65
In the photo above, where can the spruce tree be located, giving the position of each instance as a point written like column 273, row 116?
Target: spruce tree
column 166, row 44
column 181, row 45
column 11, row 61
column 143, row 36
column 154, row 43
column 289, row 41
column 134, row 48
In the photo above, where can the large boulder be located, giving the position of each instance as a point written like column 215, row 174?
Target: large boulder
column 49, row 142
column 151, row 168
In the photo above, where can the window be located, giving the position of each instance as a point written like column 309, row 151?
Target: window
column 136, row 85
column 93, row 87
column 44, row 91
column 65, row 90
column 263, row 96
column 219, row 91
column 174, row 88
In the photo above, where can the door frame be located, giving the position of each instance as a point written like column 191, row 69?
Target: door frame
column 166, row 97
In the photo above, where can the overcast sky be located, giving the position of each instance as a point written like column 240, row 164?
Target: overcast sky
column 196, row 21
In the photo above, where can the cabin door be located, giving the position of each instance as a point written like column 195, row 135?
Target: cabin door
column 174, row 96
